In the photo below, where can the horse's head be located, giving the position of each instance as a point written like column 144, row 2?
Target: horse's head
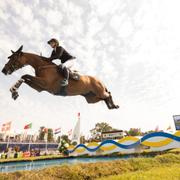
column 15, row 62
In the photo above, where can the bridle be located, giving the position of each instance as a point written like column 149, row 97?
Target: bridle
column 17, row 64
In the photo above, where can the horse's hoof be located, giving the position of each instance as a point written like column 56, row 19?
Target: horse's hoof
column 114, row 107
column 15, row 95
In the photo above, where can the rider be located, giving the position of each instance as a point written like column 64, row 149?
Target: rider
column 67, row 60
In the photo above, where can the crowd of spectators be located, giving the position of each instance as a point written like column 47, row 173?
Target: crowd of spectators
column 16, row 153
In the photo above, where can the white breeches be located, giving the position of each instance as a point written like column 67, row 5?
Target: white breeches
column 69, row 64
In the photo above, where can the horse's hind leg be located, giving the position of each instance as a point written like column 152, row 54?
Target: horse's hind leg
column 109, row 102
column 92, row 99
column 103, row 94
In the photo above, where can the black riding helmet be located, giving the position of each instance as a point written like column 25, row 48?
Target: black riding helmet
column 53, row 40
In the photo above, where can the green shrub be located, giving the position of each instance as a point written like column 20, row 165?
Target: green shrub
column 91, row 171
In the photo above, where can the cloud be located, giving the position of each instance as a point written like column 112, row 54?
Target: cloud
column 132, row 46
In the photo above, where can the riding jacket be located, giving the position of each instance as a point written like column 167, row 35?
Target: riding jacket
column 62, row 54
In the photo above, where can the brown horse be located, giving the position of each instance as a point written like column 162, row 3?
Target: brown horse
column 47, row 78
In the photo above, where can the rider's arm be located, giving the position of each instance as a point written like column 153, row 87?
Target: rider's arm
column 57, row 54
column 53, row 56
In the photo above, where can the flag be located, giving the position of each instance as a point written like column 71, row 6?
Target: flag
column 28, row 126
column 70, row 132
column 6, row 126
column 58, row 130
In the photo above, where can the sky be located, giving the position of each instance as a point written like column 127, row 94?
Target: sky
column 133, row 46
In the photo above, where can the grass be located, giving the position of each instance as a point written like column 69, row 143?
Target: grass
column 157, row 173
column 166, row 165
column 177, row 150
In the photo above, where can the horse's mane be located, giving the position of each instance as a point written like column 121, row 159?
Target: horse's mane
column 42, row 58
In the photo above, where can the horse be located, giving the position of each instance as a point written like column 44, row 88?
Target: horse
column 48, row 77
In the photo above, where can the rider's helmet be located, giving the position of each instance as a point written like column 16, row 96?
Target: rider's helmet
column 53, row 40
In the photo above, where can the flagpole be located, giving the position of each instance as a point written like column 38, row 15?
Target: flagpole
column 8, row 141
column 29, row 144
column 46, row 140
column 8, row 135
column 79, row 118
column 46, row 143
column 26, row 135
column 60, row 138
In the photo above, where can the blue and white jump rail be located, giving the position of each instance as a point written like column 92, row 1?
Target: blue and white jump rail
column 157, row 141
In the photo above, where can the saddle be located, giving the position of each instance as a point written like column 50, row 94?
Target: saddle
column 74, row 75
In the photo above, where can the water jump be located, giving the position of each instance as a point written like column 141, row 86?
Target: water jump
column 57, row 80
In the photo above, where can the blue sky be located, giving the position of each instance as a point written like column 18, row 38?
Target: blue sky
column 132, row 46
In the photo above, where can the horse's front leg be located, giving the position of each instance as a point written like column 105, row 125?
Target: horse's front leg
column 36, row 83
column 15, row 87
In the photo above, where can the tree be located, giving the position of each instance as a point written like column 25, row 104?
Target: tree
column 50, row 135
column 99, row 128
column 63, row 148
column 58, row 139
column 41, row 133
column 66, row 139
column 82, row 139
column 63, row 145
column 134, row 132
column 74, row 143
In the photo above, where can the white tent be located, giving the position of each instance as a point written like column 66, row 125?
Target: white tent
column 76, row 132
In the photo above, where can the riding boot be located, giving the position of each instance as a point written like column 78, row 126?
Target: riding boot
column 64, row 82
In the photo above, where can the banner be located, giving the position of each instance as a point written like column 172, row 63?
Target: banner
column 177, row 121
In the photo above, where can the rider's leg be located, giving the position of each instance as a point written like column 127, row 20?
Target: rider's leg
column 65, row 66
column 64, row 82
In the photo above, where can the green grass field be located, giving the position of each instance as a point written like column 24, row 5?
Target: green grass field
column 166, row 166
column 171, row 172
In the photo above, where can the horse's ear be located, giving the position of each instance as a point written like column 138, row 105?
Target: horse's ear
column 20, row 49
column 12, row 51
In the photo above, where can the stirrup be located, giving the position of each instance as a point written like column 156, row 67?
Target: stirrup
column 64, row 82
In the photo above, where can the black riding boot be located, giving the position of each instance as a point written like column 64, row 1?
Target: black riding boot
column 64, row 82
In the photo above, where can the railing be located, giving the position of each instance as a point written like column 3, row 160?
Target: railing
column 11, row 168
column 27, row 145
